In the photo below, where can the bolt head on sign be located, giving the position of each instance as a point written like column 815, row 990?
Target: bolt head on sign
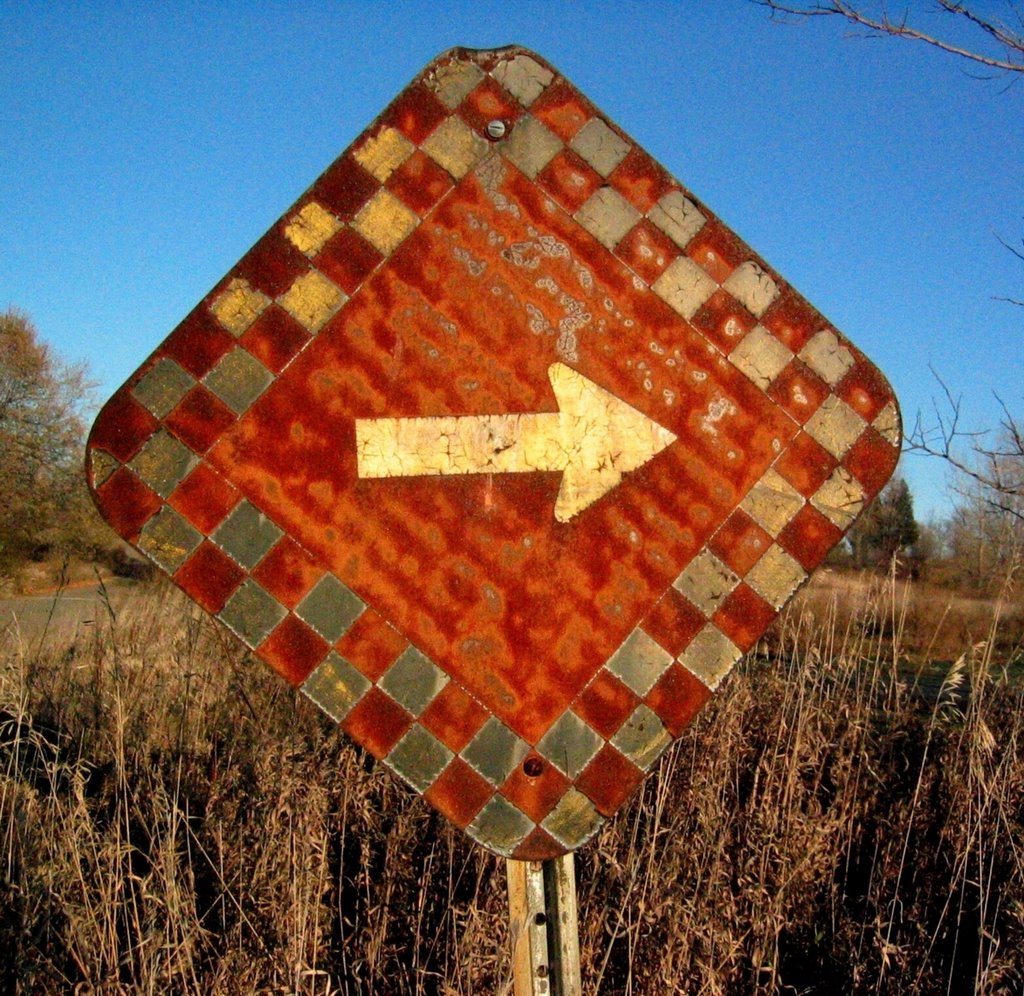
column 501, row 447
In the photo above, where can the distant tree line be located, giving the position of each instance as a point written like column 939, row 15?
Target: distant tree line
column 44, row 504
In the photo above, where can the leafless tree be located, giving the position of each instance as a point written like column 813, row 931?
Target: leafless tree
column 993, row 469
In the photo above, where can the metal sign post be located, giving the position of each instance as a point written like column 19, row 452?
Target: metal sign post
column 503, row 449
column 544, row 927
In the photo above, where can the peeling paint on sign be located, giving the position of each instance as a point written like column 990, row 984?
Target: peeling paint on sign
column 501, row 447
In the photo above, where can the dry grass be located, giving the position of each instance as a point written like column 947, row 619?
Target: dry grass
column 174, row 819
column 924, row 622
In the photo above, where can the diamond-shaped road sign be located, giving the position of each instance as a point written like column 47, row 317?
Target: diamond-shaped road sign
column 501, row 447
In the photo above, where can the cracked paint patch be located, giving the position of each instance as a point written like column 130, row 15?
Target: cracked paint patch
column 593, row 440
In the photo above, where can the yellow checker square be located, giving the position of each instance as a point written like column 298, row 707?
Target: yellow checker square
column 684, row 286
column 761, row 356
column 642, row 738
column 524, row 78
column 454, row 146
column 336, row 686
column 772, row 502
column 840, row 499
column 574, row 820
column 677, row 216
column 385, row 221
column 453, row 82
column 776, row 576
column 887, row 424
column 836, row 426
column 599, row 146
column 163, row 462
column 531, row 146
column 311, row 228
column 384, row 153
column 710, row 657
column 608, row 216
column 168, row 539
column 706, row 582
column 752, row 287
column 237, row 307
column 827, row 357
column 101, row 466
column 312, row 299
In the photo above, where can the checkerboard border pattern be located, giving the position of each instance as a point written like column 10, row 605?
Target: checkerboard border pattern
column 147, row 467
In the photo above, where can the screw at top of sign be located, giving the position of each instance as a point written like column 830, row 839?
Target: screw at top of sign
column 496, row 129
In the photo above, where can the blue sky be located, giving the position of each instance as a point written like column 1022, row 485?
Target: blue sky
column 145, row 147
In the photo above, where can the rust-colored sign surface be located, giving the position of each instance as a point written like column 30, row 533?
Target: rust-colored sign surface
column 501, row 447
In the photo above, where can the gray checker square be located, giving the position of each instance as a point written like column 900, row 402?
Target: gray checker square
column 600, row 146
column 162, row 387
column 455, row 81
column 169, row 539
column 252, row 613
column 336, row 686
column 330, row 608
column 495, row 751
column 608, row 216
column 569, row 744
column 413, row 680
column 246, row 535
column 642, row 738
column 419, row 757
column 639, row 662
column 500, row 826
column 163, row 462
column 531, row 146
column 238, row 380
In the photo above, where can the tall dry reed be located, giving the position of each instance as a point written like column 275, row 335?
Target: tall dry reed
column 174, row 819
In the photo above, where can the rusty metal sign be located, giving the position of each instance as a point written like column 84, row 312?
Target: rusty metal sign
column 501, row 447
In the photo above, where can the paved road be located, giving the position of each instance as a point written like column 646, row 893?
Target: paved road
column 58, row 614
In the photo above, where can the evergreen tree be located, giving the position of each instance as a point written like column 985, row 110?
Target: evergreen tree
column 887, row 528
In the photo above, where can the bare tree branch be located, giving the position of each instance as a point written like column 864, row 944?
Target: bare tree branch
column 1019, row 253
column 997, row 468
column 1010, row 40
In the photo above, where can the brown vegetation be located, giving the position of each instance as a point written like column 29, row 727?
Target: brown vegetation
column 174, row 819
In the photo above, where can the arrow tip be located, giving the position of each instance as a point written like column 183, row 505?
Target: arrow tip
column 604, row 438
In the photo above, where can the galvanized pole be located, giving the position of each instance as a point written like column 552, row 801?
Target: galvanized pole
column 544, row 927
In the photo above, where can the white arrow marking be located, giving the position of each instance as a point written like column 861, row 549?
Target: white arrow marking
column 594, row 438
